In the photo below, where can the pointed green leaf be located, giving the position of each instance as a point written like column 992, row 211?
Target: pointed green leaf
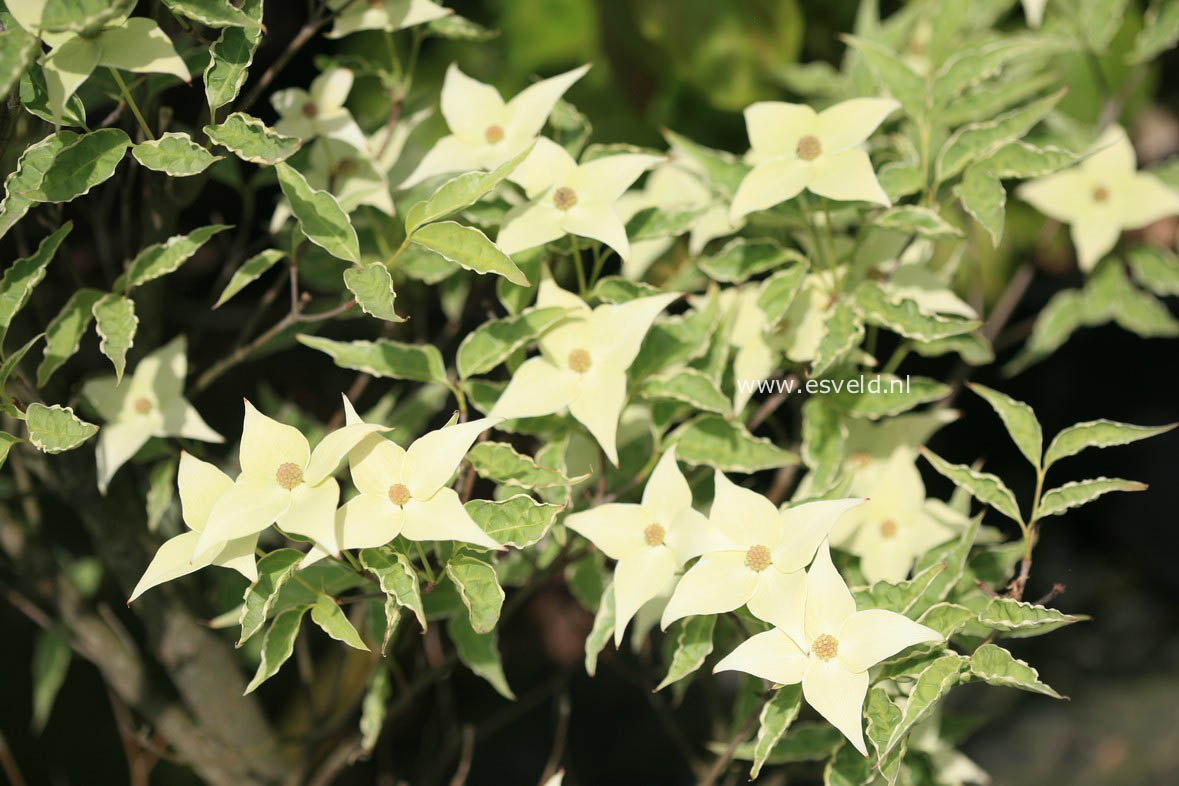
column 983, row 486
column 776, row 716
column 712, row 441
column 778, row 291
column 689, row 386
column 905, row 317
column 328, row 615
column 161, row 490
column 954, row 557
column 932, row 685
column 985, row 199
column 946, row 618
column 250, row 270
column 882, row 718
column 654, row 222
column 1160, row 32
column 372, row 286
column 18, row 50
column 160, row 259
column 50, row 663
column 320, row 217
column 212, row 13
column 384, row 358
column 458, row 28
column 501, row 463
column 723, row 169
column 478, row 589
column 81, row 165
column 374, row 707
column 277, row 645
column 602, row 630
column 1155, row 268
column 468, row 248
column 175, row 154
column 24, row 274
column 493, row 342
column 251, row 140
column 479, row 652
column 861, row 397
column 230, row 58
column 116, row 323
column 1019, row 420
column 518, row 521
column 979, row 140
column 460, row 192
column 398, row 579
column 916, row 220
column 64, row 332
column 26, row 179
column 274, row 570
column 6, row 442
column 742, row 259
column 905, row 85
column 996, row 666
column 1097, row 434
column 1081, row 492
column 56, row 429
column 843, row 330
column 898, row 596
column 693, row 643
column 1019, row 619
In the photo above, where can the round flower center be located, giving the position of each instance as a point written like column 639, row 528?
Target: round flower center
column 310, row 110
column 289, row 475
column 376, row 3
column 398, row 494
column 493, row 134
column 142, row 406
column 654, row 534
column 580, row 361
column 757, row 558
column 564, row 198
column 1101, row 194
column 809, row 148
column 825, row 647
column 888, row 528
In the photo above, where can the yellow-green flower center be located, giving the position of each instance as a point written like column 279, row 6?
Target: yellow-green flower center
column 289, row 475
column 654, row 535
column 398, row 494
column 580, row 360
column 493, row 134
column 564, row 198
column 888, row 528
column 825, row 647
column 1101, row 194
column 143, row 405
column 758, row 558
column 809, row 147
column 310, row 110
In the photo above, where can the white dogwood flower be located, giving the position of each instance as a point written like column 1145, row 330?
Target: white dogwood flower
column 200, row 484
column 149, row 403
column 583, row 363
column 792, row 147
column 283, row 481
column 307, row 114
column 568, row 198
column 405, row 491
column 1102, row 196
column 650, row 541
column 837, row 647
column 391, row 15
column 486, row 131
column 759, row 559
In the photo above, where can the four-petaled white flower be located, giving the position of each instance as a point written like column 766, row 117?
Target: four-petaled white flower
column 319, row 112
column 486, row 131
column 792, row 147
column 405, row 492
column 201, row 484
column 391, row 15
column 649, row 541
column 758, row 557
column 568, row 198
column 147, row 404
column 583, row 363
column 832, row 655
column 283, row 481
column 1101, row 196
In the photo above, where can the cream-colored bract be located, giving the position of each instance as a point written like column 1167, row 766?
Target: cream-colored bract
column 1102, row 196
column 571, row 199
column 390, row 15
column 792, row 147
column 1033, row 11
column 148, row 403
column 283, row 481
column 757, row 559
column 405, row 491
column 832, row 650
column 650, row 541
column 583, row 363
column 486, row 131
column 319, row 112
column 201, row 484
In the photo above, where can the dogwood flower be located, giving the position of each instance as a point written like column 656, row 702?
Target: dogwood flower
column 391, row 15
column 486, row 131
column 792, row 147
column 147, row 404
column 649, row 541
column 568, row 198
column 405, row 492
column 759, row 558
column 320, row 112
column 283, row 481
column 583, row 363
column 895, row 525
column 836, row 648
column 200, row 484
column 135, row 44
column 1101, row 196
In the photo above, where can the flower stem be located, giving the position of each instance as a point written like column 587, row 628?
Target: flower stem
column 426, row 563
column 131, row 102
column 581, row 283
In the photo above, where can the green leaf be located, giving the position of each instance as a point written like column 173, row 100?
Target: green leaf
column 931, row 686
column 996, row 666
column 1019, row 420
column 250, row 270
column 976, row 64
column 824, row 442
column 712, row 441
column 24, row 274
column 616, row 289
column 274, row 570
column 116, row 323
column 653, row 222
column 984, row 198
column 673, row 341
column 1063, row 314
column 460, row 192
column 1081, row 492
column 213, row 13
column 921, row 221
column 478, row 588
column 1155, row 268
column 900, row 180
column 689, row 386
column 328, row 615
column 18, row 50
column 905, row 85
column 277, row 645
column 776, row 716
column 1098, row 21
column 518, row 521
column 900, row 596
column 778, row 291
column 602, row 630
column 251, row 140
column 6, row 442
column 479, row 652
column 161, row 259
column 493, row 342
column 946, row 618
column 693, row 643
column 384, row 358
column 372, row 286
column 979, row 140
column 501, row 463
column 397, row 577
column 1023, row 160
column 161, row 487
column 860, row 397
column 1160, row 32
column 883, row 716
column 26, row 179
column 847, row 768
column 56, row 429
column 320, row 217
column 64, row 332
column 1097, row 434
column 723, row 169
column 81, row 165
column 953, row 557
column 50, row 663
column 468, row 248
column 81, row 15
column 741, row 259
column 843, row 330
column 458, row 28
column 175, row 154
column 1021, row 619
column 905, row 317
column 983, row 486
column 230, row 58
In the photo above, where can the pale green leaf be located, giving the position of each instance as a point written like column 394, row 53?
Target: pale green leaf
column 81, row 165
column 881, row 395
column 946, row 618
column 372, row 286
column 905, row 317
column 64, row 332
column 478, row 588
column 900, row 180
column 616, row 289
column 18, row 50
column 250, row 270
column 518, row 521
column 654, row 222
column 274, row 570
column 848, row 767
column 175, row 154
column 161, row 259
column 983, row 486
column 81, row 15
column 398, row 579
column 1081, row 492
column 1020, row 619
column 979, row 140
column 778, row 291
column 693, row 643
column 983, row 196
column 931, row 687
column 723, row 170
column 320, row 217
column 1160, row 31
column 687, row 385
column 493, row 342
column 328, row 615
column 882, row 717
column 230, row 58
column 973, row 65
column 50, row 663
column 26, row 273
column 1098, row 21
column 1023, row 160
column 954, row 556
column 905, row 85
column 1097, row 434
column 277, row 645
column 116, row 323
column 479, row 652
column 916, row 220
column 469, row 248
column 26, row 179
column 900, row 596
column 776, row 716
column 712, row 441
column 602, row 630
column 384, row 358
column 251, row 140
column 1020, row 421
column 741, row 259
column 824, row 442
column 6, row 442
column 843, row 330
column 213, row 13
column 373, row 708
column 460, row 192
column 1155, row 268
column 996, row 666
column 458, row 28
column 56, row 429
column 501, row 463
column 161, row 488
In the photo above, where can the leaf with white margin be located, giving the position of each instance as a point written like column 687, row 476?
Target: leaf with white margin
column 501, row 463
column 460, row 192
column 1081, row 492
column 996, row 666
column 479, row 652
column 174, row 153
column 64, row 333
column 160, row 259
column 277, row 645
column 81, row 165
column 983, row 486
column 687, row 385
column 1020, row 421
column 250, row 270
column 743, row 258
column 24, row 274
column 397, row 578
column 56, row 429
column 320, row 217
column 372, row 286
column 213, row 13
column 917, row 220
column 1020, row 619
column 693, row 643
column 251, row 140
column 893, row 397
column 932, row 685
column 274, row 571
column 602, row 630
column 843, row 329
column 518, row 521
column 18, row 50
column 116, row 323
column 1097, row 434
column 774, row 719
column 494, row 341
column 478, row 589
column 328, row 615
column 384, row 358
column 469, row 248
column 977, row 141
column 230, row 58
column 713, row 441
column 905, row 317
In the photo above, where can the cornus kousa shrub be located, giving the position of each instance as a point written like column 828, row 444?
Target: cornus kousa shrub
column 407, row 352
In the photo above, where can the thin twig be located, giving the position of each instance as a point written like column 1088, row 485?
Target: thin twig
column 468, row 753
